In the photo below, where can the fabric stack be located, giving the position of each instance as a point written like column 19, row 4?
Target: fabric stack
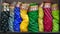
column 29, row 17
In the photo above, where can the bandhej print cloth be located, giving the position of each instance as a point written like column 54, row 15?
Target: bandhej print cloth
column 5, row 18
column 40, row 18
column 33, row 18
column 25, row 19
column 47, row 18
column 55, row 14
column 17, row 18
column 11, row 18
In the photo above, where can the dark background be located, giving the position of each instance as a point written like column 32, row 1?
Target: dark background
column 29, row 1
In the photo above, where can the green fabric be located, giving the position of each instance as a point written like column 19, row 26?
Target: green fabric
column 55, row 14
column 33, row 21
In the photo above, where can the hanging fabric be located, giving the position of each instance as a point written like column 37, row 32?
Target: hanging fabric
column 5, row 18
column 11, row 18
column 40, row 18
column 47, row 18
column 17, row 18
column 55, row 14
column 25, row 19
column 33, row 18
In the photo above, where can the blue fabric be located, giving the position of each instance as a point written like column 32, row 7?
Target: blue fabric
column 17, row 19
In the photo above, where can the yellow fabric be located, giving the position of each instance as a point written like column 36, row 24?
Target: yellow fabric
column 40, row 19
column 24, row 23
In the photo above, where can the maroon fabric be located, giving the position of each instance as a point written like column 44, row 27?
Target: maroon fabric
column 47, row 20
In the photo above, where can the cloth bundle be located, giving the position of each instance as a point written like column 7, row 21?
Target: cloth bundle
column 17, row 18
column 55, row 14
column 5, row 17
column 33, row 18
column 40, row 19
column 47, row 17
column 25, row 19
column 11, row 18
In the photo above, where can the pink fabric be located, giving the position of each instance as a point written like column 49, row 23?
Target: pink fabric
column 47, row 20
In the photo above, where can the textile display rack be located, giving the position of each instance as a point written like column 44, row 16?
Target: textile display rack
column 29, row 16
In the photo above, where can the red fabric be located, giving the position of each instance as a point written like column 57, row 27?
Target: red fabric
column 47, row 20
